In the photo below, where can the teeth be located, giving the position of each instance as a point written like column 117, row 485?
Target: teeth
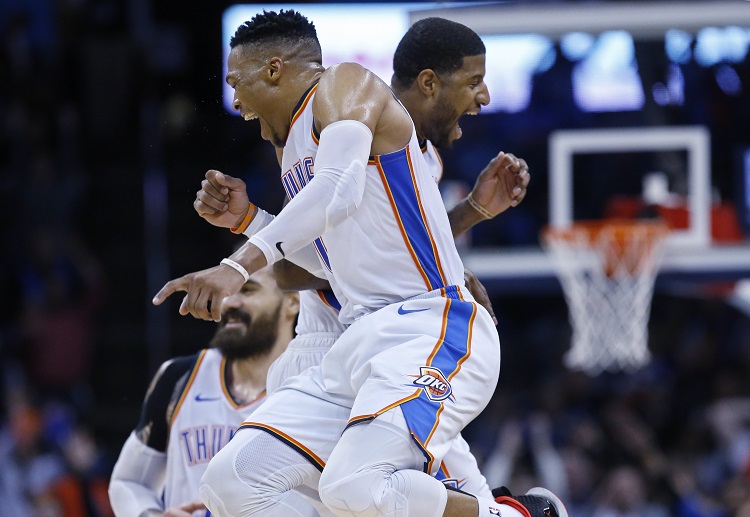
column 250, row 116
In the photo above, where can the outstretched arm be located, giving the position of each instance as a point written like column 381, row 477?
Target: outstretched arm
column 349, row 105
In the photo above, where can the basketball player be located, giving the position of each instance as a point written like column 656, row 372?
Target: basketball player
column 419, row 358
column 430, row 46
column 196, row 403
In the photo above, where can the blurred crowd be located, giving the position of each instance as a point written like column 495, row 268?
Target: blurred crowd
column 99, row 115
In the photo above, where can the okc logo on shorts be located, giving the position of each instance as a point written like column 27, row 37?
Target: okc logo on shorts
column 434, row 383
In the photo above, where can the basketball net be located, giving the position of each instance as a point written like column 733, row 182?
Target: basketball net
column 607, row 270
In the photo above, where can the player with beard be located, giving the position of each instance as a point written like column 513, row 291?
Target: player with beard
column 195, row 403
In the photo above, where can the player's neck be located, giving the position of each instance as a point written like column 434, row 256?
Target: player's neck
column 246, row 378
column 413, row 101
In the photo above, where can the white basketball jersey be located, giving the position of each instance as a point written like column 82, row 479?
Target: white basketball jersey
column 398, row 244
column 433, row 160
column 204, row 420
column 318, row 312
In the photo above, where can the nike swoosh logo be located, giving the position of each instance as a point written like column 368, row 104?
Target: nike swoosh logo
column 401, row 310
column 278, row 247
column 198, row 398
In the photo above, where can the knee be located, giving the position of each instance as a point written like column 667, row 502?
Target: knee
column 352, row 494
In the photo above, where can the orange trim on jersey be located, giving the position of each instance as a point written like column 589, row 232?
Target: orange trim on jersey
column 323, row 299
column 363, row 418
column 303, row 104
column 434, row 427
column 438, row 344
column 428, row 468
column 314, row 134
column 225, row 388
column 286, row 438
column 445, row 469
column 401, row 228
column 468, row 342
column 189, row 383
column 424, row 217
column 443, row 330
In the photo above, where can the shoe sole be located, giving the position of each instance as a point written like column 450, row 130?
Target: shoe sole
column 543, row 492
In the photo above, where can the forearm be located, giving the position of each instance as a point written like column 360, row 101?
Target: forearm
column 292, row 277
column 286, row 271
column 464, row 216
column 137, row 480
column 334, row 193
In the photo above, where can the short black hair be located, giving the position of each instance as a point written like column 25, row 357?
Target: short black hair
column 437, row 44
column 285, row 26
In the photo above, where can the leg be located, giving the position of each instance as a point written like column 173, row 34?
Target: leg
column 256, row 474
column 459, row 470
column 275, row 458
column 375, row 470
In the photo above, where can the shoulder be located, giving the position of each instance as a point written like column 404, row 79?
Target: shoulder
column 350, row 91
column 172, row 370
column 349, row 74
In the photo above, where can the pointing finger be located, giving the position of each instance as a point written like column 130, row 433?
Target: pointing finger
column 171, row 287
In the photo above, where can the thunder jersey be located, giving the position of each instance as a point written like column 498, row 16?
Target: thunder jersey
column 204, row 420
column 318, row 313
column 432, row 159
column 397, row 244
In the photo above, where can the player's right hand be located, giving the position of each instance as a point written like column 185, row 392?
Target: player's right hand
column 205, row 290
column 222, row 200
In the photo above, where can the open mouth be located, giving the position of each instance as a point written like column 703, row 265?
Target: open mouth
column 249, row 115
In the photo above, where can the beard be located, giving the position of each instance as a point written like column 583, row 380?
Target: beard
column 441, row 125
column 256, row 338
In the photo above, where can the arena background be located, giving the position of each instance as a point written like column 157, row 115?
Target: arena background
column 111, row 111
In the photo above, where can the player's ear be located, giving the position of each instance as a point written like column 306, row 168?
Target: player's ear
column 274, row 69
column 291, row 304
column 428, row 82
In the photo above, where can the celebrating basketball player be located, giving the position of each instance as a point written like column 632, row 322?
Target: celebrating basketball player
column 419, row 358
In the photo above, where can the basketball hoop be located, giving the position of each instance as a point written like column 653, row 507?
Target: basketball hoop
column 607, row 270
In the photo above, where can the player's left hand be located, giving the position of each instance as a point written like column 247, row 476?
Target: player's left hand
column 205, row 290
column 479, row 293
column 502, row 184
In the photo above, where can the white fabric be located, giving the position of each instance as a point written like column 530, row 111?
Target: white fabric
column 334, row 194
column 369, row 370
column 394, row 266
column 257, row 476
column 383, row 478
column 306, row 257
column 462, row 470
column 434, row 163
column 204, row 422
column 368, row 261
column 261, row 220
column 303, row 351
column 317, row 316
column 137, row 479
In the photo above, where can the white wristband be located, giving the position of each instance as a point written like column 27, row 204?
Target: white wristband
column 237, row 267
